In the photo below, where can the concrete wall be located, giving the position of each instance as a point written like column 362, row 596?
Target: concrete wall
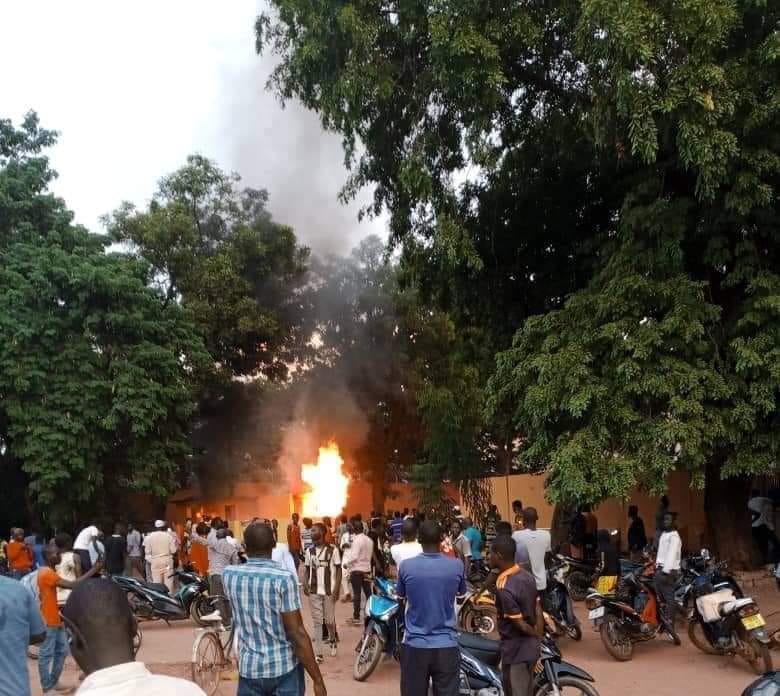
column 612, row 513
column 250, row 500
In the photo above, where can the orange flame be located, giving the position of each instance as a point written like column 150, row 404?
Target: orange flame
column 327, row 484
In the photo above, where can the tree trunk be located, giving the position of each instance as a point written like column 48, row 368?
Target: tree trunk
column 728, row 519
column 559, row 528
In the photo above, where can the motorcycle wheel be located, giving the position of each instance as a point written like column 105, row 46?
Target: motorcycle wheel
column 481, row 621
column 574, row 632
column 758, row 656
column 617, row 645
column 368, row 656
column 200, row 606
column 568, row 685
column 697, row 636
column 578, row 584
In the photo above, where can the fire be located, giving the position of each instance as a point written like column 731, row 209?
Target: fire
column 327, row 494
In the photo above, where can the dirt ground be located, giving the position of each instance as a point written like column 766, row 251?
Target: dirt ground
column 658, row 667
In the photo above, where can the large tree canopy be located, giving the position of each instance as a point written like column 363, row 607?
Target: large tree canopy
column 215, row 249
column 622, row 154
column 98, row 375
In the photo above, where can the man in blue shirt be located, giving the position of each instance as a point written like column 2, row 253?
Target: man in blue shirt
column 475, row 539
column 429, row 582
column 20, row 625
column 274, row 647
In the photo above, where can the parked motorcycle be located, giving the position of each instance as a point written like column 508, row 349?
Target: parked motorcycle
column 696, row 566
column 476, row 612
column 558, row 603
column 630, row 616
column 723, row 624
column 480, row 664
column 152, row 601
column 383, row 632
column 768, row 685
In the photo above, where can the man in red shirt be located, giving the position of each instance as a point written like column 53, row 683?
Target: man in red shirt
column 294, row 539
column 54, row 648
column 20, row 555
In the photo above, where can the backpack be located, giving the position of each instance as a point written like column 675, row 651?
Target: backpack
column 30, row 581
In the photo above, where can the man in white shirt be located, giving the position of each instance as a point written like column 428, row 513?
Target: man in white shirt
column 281, row 555
column 361, row 552
column 409, row 546
column 134, row 553
column 667, row 569
column 86, row 546
column 534, row 544
column 101, row 627
column 159, row 548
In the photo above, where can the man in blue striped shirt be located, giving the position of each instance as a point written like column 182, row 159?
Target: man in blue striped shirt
column 274, row 647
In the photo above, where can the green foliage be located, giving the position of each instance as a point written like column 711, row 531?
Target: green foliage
column 600, row 177
column 98, row 375
column 214, row 248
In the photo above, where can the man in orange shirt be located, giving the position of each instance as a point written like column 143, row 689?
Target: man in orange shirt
column 20, row 555
column 54, row 648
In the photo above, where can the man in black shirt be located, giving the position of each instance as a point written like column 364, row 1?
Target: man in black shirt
column 637, row 538
column 116, row 551
column 378, row 537
column 520, row 618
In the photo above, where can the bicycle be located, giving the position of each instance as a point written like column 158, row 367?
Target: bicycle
column 212, row 652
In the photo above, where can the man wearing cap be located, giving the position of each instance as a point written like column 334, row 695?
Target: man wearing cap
column 159, row 548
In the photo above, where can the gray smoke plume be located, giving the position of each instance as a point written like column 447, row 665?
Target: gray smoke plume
column 286, row 151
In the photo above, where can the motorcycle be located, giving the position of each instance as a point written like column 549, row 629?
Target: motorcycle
column 558, row 604
column 581, row 574
column 696, row 566
column 152, row 601
column 476, row 611
column 383, row 632
column 630, row 616
column 478, row 571
column 722, row 624
column 480, row 661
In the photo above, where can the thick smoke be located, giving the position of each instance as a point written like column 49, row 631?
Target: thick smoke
column 286, row 151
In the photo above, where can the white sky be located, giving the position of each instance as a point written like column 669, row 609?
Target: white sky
column 133, row 88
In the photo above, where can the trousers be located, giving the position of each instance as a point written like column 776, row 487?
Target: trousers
column 358, row 580
column 664, row 587
column 290, row 684
column 518, row 679
column 323, row 610
column 419, row 666
column 162, row 568
column 51, row 657
column 216, row 588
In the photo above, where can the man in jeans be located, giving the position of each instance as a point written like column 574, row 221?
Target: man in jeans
column 361, row 553
column 54, row 648
column 274, row 647
column 20, row 626
column 321, row 586
column 222, row 553
column 429, row 583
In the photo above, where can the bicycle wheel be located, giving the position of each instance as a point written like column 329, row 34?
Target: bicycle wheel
column 207, row 662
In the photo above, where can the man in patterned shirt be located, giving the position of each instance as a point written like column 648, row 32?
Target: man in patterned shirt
column 274, row 647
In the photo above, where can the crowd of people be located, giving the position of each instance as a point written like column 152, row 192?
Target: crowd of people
column 261, row 582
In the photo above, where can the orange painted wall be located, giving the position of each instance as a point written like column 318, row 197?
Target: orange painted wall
column 612, row 513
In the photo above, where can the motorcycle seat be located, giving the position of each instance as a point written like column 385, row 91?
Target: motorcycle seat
column 733, row 605
column 213, row 617
column 476, row 643
column 156, row 586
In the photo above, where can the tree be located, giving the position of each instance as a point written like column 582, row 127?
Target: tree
column 215, row 249
column 662, row 233
column 98, row 374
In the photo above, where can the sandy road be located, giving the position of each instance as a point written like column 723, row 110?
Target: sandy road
column 658, row 667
